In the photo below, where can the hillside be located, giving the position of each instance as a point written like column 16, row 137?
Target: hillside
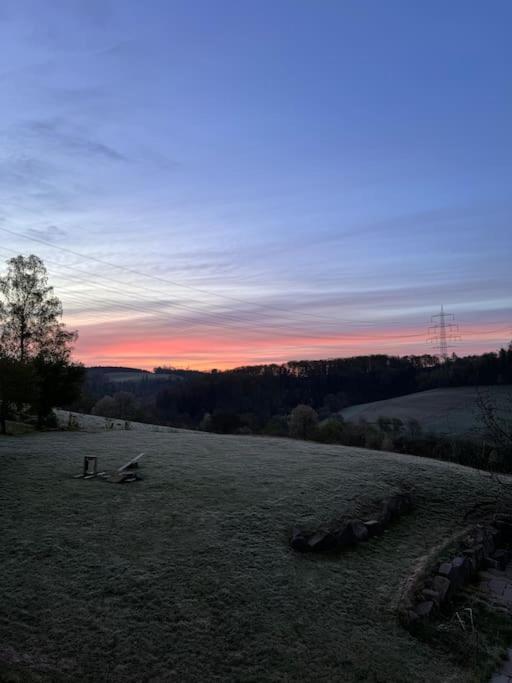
column 187, row 575
column 452, row 411
column 95, row 423
column 119, row 375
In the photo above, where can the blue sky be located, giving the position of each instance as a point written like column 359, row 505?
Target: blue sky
column 213, row 183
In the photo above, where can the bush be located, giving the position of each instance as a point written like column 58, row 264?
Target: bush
column 303, row 423
column 225, row 423
column 50, row 421
column 244, row 430
column 414, row 428
column 387, row 443
column 206, row 423
column 276, row 426
column 373, row 439
column 105, row 407
column 331, row 431
column 123, row 405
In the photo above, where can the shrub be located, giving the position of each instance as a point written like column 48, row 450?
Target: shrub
column 123, row 405
column 244, row 430
column 276, row 426
column 387, row 443
column 206, row 423
column 303, row 423
column 373, row 439
column 225, row 423
column 106, row 407
column 331, row 431
column 414, row 428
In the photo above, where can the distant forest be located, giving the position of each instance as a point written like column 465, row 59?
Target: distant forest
column 256, row 399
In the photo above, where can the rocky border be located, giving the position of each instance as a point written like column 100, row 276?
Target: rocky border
column 434, row 584
column 354, row 530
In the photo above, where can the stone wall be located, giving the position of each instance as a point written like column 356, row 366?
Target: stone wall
column 353, row 531
column 482, row 546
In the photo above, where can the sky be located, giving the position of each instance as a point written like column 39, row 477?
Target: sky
column 213, row 184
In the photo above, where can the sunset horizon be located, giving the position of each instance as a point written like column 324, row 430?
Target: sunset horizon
column 221, row 188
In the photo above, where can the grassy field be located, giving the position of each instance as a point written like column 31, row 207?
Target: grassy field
column 452, row 411
column 126, row 377
column 187, row 575
column 95, row 423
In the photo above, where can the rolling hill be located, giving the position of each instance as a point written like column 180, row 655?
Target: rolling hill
column 451, row 411
column 188, row 575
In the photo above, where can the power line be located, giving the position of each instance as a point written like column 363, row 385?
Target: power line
column 171, row 282
column 441, row 331
column 212, row 319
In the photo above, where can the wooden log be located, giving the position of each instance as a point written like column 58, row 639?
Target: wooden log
column 133, row 463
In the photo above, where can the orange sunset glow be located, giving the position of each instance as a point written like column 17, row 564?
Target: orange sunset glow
column 203, row 350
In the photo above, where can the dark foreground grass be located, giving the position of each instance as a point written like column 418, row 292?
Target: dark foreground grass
column 188, row 576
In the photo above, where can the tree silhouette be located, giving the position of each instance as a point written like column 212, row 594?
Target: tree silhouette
column 34, row 342
column 30, row 313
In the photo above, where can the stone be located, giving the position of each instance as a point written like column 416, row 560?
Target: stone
column 412, row 616
column 507, row 595
column 505, row 529
column 461, row 570
column 478, row 534
column 359, row 530
column 395, row 505
column 501, row 557
column 429, row 594
column 424, row 609
column 495, row 534
column 299, row 540
column 500, row 678
column 407, row 501
column 322, row 541
column 385, row 514
column 489, row 563
column 445, row 568
column 476, row 554
column 442, row 586
column 345, row 536
column 472, row 565
column 458, row 571
column 504, row 516
column 374, row 527
column 498, row 586
column 488, row 544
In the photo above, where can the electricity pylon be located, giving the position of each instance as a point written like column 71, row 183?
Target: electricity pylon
column 443, row 332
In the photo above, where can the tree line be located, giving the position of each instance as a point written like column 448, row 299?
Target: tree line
column 258, row 397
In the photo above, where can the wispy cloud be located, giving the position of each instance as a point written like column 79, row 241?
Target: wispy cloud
column 71, row 139
column 51, row 233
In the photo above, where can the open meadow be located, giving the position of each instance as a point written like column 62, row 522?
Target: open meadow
column 188, row 575
column 450, row 411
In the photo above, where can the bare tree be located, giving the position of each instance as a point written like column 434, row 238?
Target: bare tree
column 496, row 420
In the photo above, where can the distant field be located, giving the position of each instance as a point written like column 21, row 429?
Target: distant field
column 123, row 377
column 188, row 576
column 18, row 427
column 444, row 411
column 95, row 423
